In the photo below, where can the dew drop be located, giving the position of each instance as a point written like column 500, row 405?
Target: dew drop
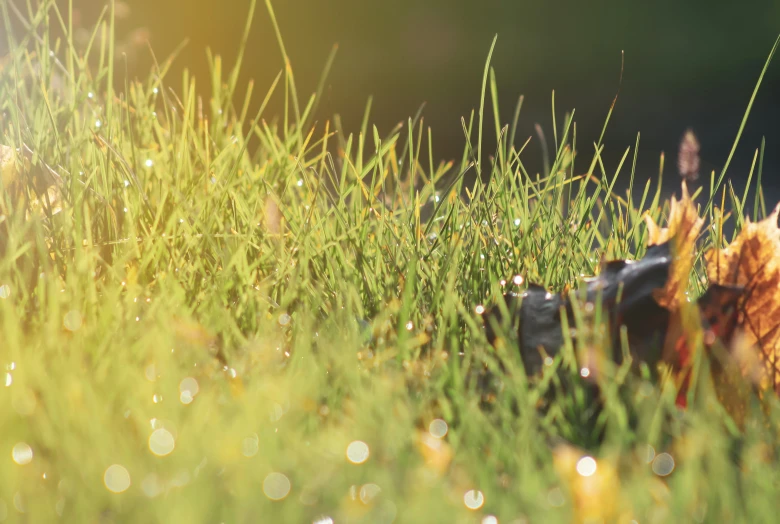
column 284, row 319
column 149, row 162
column 5, row 291
column 479, row 309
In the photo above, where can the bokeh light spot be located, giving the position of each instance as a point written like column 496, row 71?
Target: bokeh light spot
column 72, row 320
column 586, row 466
column 116, row 478
column 663, row 464
column 438, row 428
column 22, row 453
column 369, row 492
column 276, row 486
column 357, row 452
column 473, row 499
column 161, row 442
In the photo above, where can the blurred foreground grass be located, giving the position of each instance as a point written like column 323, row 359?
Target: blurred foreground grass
column 214, row 316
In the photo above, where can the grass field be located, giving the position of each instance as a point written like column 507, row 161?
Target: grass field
column 212, row 315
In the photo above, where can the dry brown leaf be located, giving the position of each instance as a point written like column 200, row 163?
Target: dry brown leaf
column 683, row 228
column 752, row 261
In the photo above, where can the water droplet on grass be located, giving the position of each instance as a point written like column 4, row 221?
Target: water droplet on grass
column 5, row 291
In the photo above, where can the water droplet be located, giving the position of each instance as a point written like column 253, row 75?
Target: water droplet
column 72, row 320
column 490, row 519
column 663, row 464
column 149, row 162
column 98, row 123
column 22, row 453
column 409, row 326
column 323, row 520
column 479, row 309
column 357, row 452
column 517, row 222
column 517, row 280
column 276, row 486
column 284, row 319
column 185, row 397
column 5, row 291
column 473, row 499
column 585, row 372
column 161, row 442
column 116, row 478
column 90, row 94
column 586, row 466
column 438, row 428
column 548, row 361
column 300, row 182
column 9, row 379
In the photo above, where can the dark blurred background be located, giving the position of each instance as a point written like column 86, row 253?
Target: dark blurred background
column 687, row 64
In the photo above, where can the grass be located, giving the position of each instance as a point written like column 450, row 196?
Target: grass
column 214, row 306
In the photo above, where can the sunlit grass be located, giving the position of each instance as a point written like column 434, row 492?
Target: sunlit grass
column 209, row 315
